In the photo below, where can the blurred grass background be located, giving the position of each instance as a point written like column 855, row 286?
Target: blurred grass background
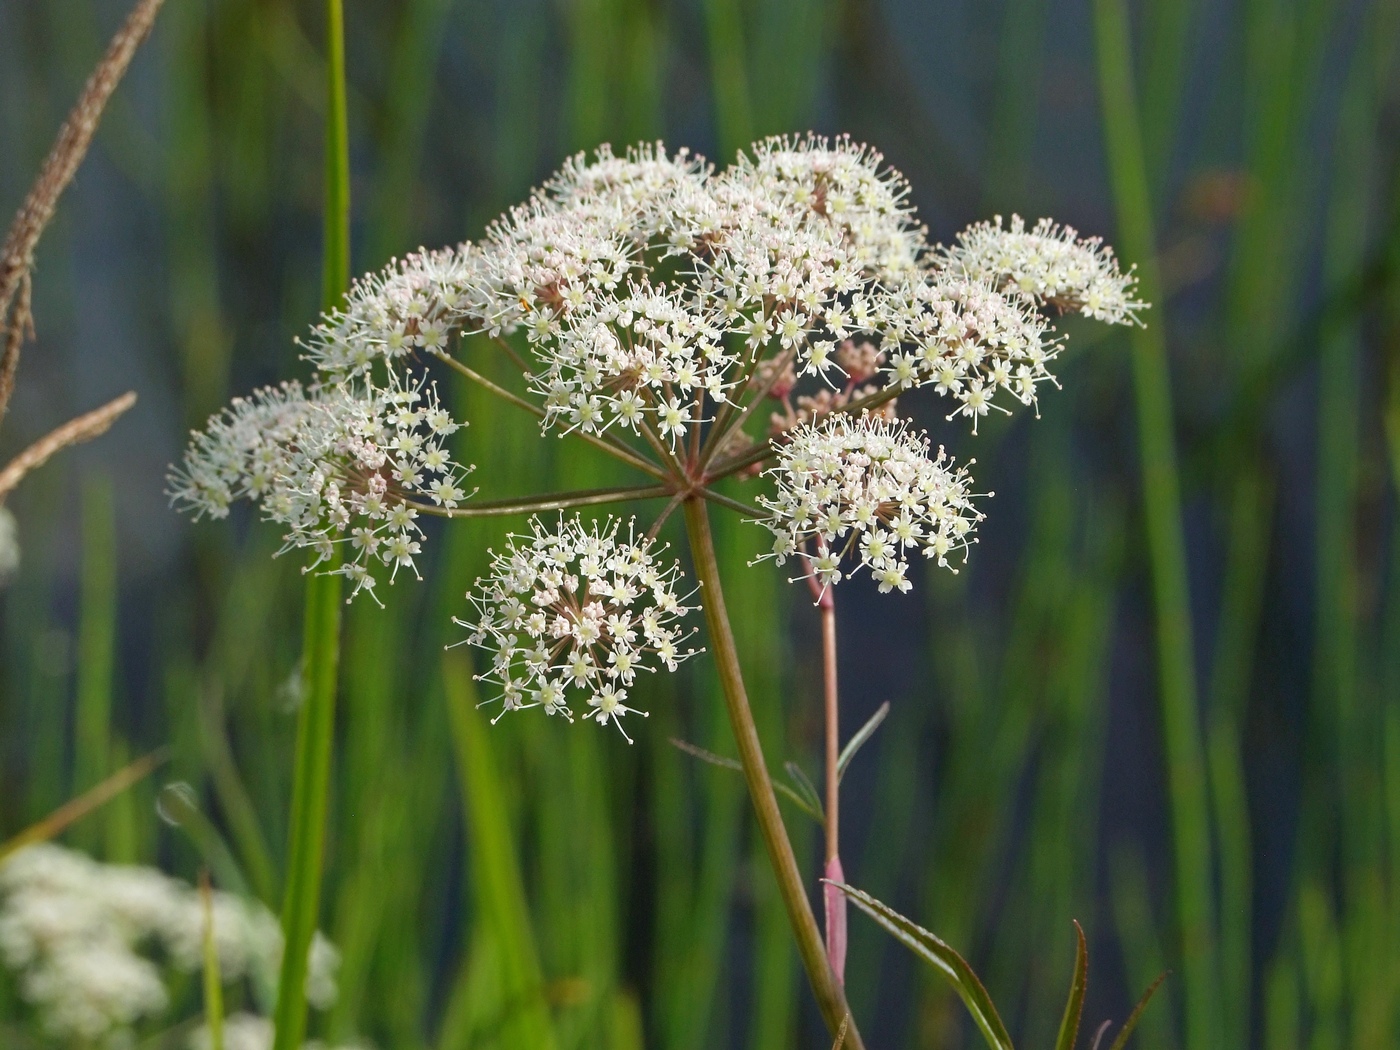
column 1221, row 798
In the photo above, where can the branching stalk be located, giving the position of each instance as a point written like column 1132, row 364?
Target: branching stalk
column 830, row 996
column 612, row 448
column 562, row 501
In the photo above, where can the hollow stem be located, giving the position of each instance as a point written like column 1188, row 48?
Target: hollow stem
column 833, row 899
column 827, row 989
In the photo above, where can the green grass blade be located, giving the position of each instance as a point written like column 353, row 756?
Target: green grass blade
column 97, row 628
column 213, row 983
column 310, row 801
column 1130, row 1025
column 1166, row 545
column 498, row 888
column 321, row 623
column 949, row 964
column 1069, row 1023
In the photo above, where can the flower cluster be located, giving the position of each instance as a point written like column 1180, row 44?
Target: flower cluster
column 245, row 1031
column 1049, row 264
column 577, row 610
column 866, row 488
column 87, row 939
column 336, row 466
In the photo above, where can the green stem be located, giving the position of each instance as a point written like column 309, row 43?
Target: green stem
column 321, row 623
column 1166, row 546
column 310, row 795
column 830, row 998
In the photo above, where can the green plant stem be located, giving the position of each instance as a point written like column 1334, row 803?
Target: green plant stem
column 830, row 997
column 321, row 624
column 1166, row 546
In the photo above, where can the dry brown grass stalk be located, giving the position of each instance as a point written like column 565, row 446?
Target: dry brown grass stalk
column 17, row 255
column 83, row 428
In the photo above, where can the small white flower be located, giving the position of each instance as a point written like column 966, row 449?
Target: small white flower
column 868, row 489
column 1049, row 264
column 607, row 608
column 334, row 466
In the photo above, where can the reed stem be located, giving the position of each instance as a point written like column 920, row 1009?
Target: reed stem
column 1161, row 494
column 830, row 997
column 321, row 620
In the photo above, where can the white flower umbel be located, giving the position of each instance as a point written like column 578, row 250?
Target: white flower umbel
column 91, row 943
column 338, row 467
column 866, row 489
column 1049, row 264
column 573, row 611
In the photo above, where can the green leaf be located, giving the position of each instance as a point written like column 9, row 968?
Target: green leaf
column 522, row 1014
column 943, row 958
column 858, row 741
column 804, row 787
column 1136, row 1015
column 804, row 798
column 1069, row 1024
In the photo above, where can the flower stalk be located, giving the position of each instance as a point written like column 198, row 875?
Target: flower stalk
column 834, row 899
column 825, row 985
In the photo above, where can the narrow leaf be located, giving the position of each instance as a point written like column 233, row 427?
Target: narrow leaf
column 85, row 803
column 213, row 982
column 807, row 802
column 1136, row 1015
column 943, row 958
column 1069, row 1024
column 804, row 785
column 858, row 741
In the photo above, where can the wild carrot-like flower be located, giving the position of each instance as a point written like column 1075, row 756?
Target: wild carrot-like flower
column 867, row 489
column 569, row 611
column 1049, row 264
column 338, row 467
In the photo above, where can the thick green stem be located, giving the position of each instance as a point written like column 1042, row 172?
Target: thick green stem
column 830, row 998
column 310, row 793
column 321, row 625
column 1166, row 546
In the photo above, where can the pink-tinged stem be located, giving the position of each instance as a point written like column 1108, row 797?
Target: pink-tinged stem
column 835, row 902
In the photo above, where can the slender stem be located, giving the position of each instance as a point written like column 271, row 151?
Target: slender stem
column 510, row 352
column 666, row 512
column 754, row 455
column 831, row 697
column 744, row 509
column 562, row 501
column 869, row 401
column 723, row 427
column 612, row 448
column 321, row 647
column 830, row 996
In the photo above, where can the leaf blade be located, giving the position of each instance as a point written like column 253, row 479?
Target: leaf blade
column 1074, row 1007
column 1136, row 1015
column 943, row 958
column 858, row 741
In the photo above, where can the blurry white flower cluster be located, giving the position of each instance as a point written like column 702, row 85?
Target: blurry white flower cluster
column 866, row 488
column 337, row 466
column 243, row 1031
column 574, row 610
column 92, row 944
